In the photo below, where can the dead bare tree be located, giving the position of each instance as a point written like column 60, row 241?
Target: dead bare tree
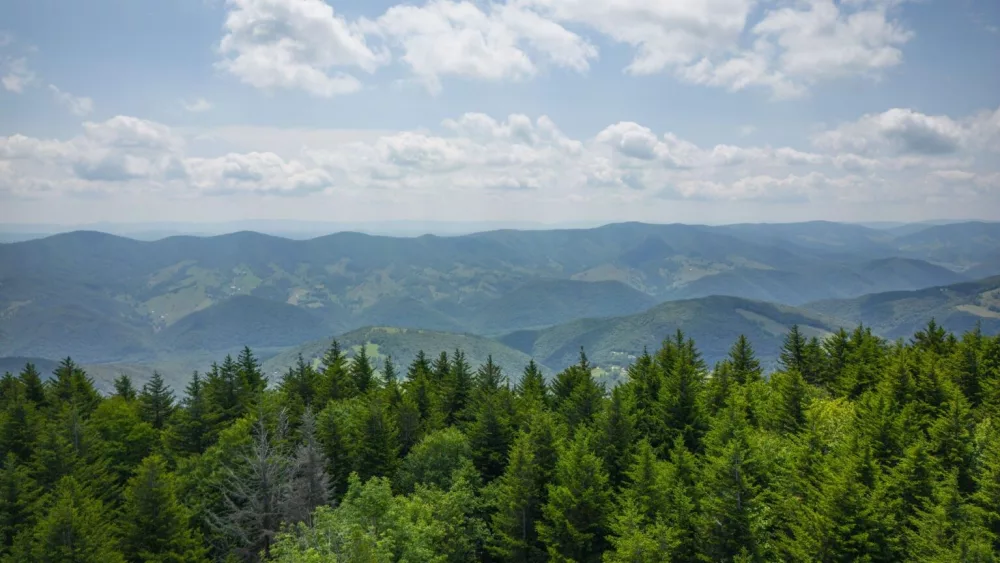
column 256, row 493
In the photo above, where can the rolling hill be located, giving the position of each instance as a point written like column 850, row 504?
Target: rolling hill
column 545, row 303
column 108, row 299
column 898, row 314
column 713, row 322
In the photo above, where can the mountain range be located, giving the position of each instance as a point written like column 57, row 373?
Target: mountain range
column 109, row 300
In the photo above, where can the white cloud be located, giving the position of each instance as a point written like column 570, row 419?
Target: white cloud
column 444, row 37
column 294, row 44
column 16, row 74
column 197, row 106
column 901, row 131
column 785, row 47
column 77, row 105
column 479, row 160
column 790, row 48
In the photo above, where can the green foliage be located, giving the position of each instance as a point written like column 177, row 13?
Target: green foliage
column 155, row 527
column 856, row 450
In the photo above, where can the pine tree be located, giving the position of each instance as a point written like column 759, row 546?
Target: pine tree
column 72, row 386
column 948, row 529
column 731, row 483
column 19, row 425
column 458, row 391
column 491, row 434
column 576, row 395
column 933, row 338
column 576, row 517
column 743, row 361
column 190, row 430
column 34, row 390
column 532, row 388
column 334, row 381
column 836, row 349
column 156, row 402
column 645, row 381
column 251, row 378
column 790, row 396
column 615, row 435
column 441, row 369
column 124, row 387
column 375, row 442
column 224, row 394
column 362, row 372
column 389, row 375
column 420, row 388
column 680, row 395
column 518, row 504
column 299, row 387
column 17, row 497
column 74, row 528
column 155, row 526
column 489, row 378
column 793, row 350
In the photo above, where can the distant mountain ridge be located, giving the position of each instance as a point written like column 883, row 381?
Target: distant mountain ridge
column 104, row 298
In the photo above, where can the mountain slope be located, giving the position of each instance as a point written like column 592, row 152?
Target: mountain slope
column 241, row 321
column 545, row 303
column 897, row 314
column 714, row 323
column 105, row 298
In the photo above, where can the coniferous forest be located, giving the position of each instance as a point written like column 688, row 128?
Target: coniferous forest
column 856, row 449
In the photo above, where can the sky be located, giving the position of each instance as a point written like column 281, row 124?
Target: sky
column 694, row 111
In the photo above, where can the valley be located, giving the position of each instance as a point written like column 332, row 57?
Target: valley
column 123, row 305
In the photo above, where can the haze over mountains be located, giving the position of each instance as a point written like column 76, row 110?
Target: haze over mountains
column 106, row 299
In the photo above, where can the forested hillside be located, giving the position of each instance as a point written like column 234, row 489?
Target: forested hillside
column 103, row 298
column 855, row 449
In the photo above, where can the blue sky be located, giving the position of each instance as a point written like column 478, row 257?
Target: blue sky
column 550, row 110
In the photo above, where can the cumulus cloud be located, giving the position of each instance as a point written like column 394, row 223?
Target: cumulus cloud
column 477, row 158
column 502, row 41
column 294, row 44
column 785, row 48
column 903, row 131
column 77, row 105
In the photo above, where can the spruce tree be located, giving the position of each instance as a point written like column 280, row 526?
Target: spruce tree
column 334, row 381
column 362, row 372
column 518, row 503
column 532, row 386
column 577, row 514
column 72, row 386
column 743, row 361
column 73, row 528
column 251, row 377
column 490, row 435
column 616, row 435
column 156, row 402
column 18, row 495
column 680, row 401
column 190, row 430
column 441, row 369
column 793, row 350
column 458, row 391
column 34, row 390
column 124, row 387
column 155, row 526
